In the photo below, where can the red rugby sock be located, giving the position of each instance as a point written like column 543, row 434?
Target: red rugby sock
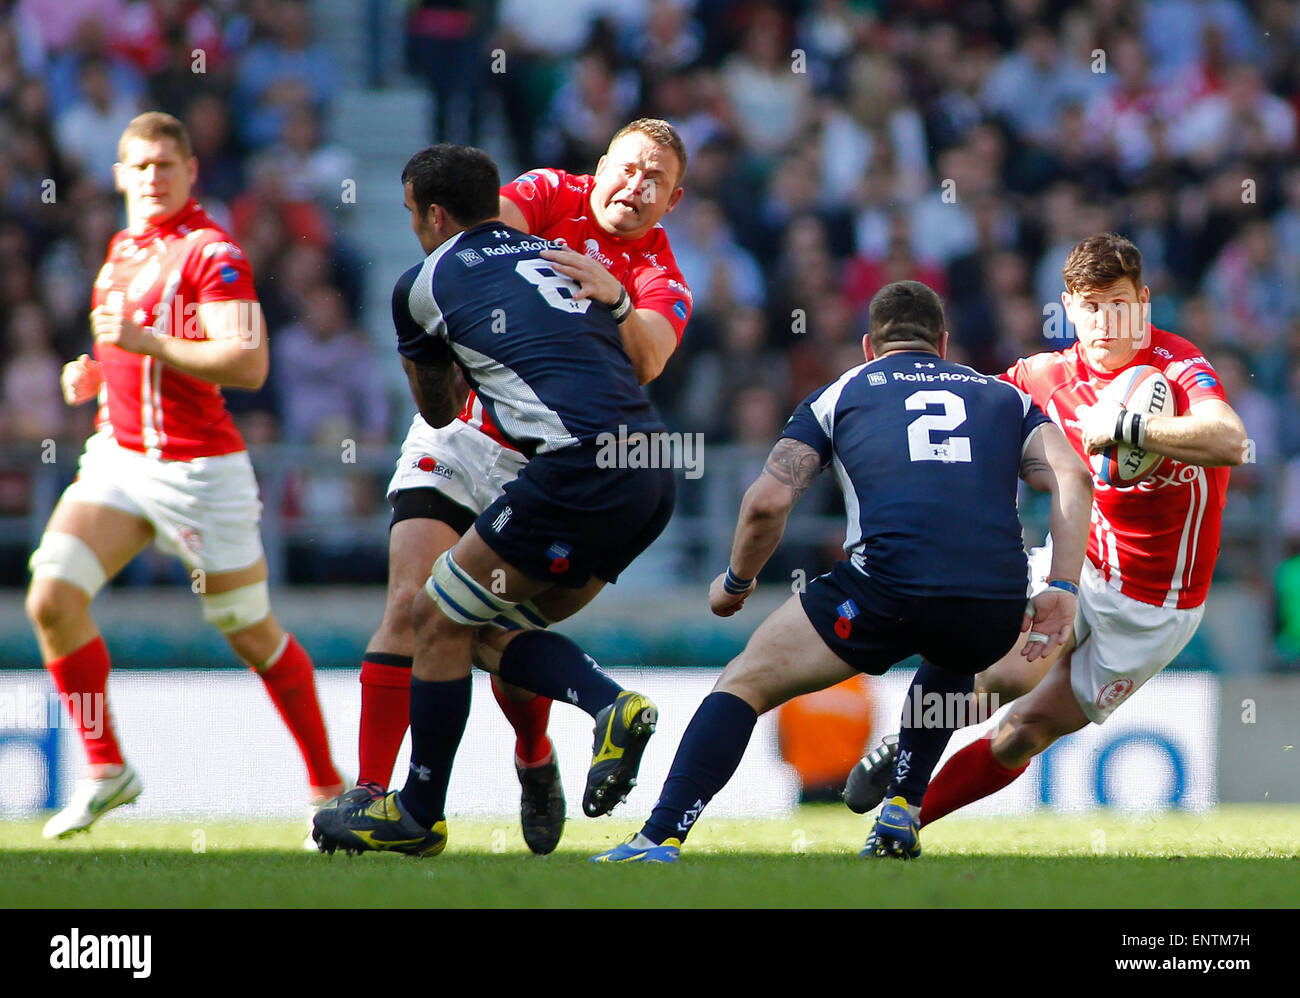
column 385, row 715
column 82, row 676
column 969, row 775
column 529, row 718
column 292, row 688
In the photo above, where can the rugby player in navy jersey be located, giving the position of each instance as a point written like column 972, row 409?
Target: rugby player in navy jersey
column 927, row 453
column 487, row 311
column 446, row 476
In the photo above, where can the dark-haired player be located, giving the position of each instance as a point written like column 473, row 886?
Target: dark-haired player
column 446, row 476
column 549, row 366
column 919, row 445
column 1152, row 548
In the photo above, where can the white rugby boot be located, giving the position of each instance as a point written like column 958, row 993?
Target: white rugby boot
column 91, row 800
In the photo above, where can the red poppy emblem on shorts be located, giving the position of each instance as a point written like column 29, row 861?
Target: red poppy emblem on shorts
column 426, row 464
column 843, row 628
column 559, row 553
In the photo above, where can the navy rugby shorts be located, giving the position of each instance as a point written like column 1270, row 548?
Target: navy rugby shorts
column 565, row 519
column 871, row 627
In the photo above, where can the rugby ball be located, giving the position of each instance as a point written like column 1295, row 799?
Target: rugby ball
column 1145, row 390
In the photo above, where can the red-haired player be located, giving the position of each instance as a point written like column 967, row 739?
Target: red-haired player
column 175, row 317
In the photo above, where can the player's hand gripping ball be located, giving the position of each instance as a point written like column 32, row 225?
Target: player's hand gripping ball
column 1143, row 390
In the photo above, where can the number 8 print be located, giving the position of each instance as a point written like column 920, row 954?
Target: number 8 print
column 549, row 283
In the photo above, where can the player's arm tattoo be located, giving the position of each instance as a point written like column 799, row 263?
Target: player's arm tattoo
column 438, row 392
column 793, row 463
column 1032, row 465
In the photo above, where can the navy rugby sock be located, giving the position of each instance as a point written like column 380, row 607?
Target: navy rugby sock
column 933, row 710
column 710, row 751
column 550, row 664
column 438, row 715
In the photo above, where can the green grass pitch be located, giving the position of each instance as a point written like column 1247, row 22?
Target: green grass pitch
column 1233, row 857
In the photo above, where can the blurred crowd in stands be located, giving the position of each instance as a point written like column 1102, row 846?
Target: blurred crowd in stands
column 835, row 145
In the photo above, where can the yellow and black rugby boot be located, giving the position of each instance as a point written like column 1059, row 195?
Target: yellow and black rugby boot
column 381, row 825
column 622, row 730
column 895, row 835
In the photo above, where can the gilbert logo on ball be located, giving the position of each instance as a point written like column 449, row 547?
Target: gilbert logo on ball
column 1145, row 390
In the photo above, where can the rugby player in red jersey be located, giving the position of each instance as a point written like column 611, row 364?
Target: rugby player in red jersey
column 619, row 254
column 175, row 318
column 1151, row 552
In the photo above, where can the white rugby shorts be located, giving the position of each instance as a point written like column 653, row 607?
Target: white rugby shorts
column 1120, row 642
column 467, row 466
column 205, row 511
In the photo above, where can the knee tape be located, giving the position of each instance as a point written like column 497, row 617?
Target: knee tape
column 239, row 608
column 460, row 597
column 67, row 557
column 523, row 617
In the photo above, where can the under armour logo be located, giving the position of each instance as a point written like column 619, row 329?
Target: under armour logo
column 571, row 695
column 500, row 234
column 917, row 363
column 421, row 772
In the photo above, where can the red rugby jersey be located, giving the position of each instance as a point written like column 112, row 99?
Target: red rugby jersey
column 160, row 277
column 1156, row 541
column 557, row 205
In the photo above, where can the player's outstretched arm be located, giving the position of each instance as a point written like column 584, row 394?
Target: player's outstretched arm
column 1049, row 464
column 234, row 351
column 790, row 469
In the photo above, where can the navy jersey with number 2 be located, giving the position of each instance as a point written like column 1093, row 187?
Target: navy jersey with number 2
column 928, row 455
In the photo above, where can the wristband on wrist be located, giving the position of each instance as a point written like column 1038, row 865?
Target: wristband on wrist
column 622, row 308
column 1065, row 584
column 1129, row 429
column 734, row 584
column 1137, row 431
